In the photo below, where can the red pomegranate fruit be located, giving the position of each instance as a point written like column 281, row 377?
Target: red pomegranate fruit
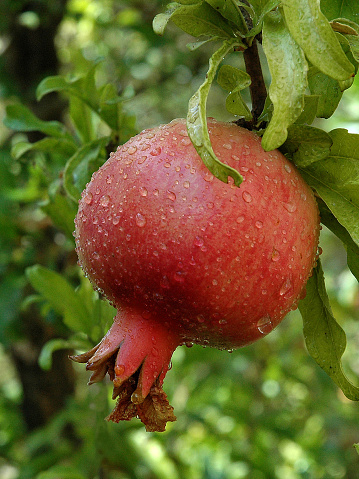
column 186, row 258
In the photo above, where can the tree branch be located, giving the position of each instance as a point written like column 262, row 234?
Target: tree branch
column 257, row 88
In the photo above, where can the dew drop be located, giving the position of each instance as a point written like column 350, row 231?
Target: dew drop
column 88, row 198
column 290, row 207
column 287, row 168
column 140, row 220
column 105, row 200
column 247, row 196
column 240, row 219
column 227, row 146
column 132, row 150
column 179, row 277
column 142, row 159
column 119, row 369
column 265, row 325
column 95, row 255
column 286, row 289
column 186, row 141
column 186, row 184
column 171, row 195
column 156, row 151
column 275, row 255
column 143, row 191
column 116, row 220
column 198, row 241
column 259, row 224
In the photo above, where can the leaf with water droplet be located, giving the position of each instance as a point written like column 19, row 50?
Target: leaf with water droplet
column 288, row 68
column 325, row 339
column 312, row 31
column 234, row 80
column 197, row 120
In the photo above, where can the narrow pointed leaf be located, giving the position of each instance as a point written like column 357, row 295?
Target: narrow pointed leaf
column 197, row 120
column 325, row 339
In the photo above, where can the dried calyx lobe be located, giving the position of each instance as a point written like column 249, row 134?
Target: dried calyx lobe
column 187, row 258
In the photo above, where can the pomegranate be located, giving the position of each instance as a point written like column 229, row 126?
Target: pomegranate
column 186, row 258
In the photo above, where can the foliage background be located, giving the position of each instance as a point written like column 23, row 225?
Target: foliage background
column 266, row 411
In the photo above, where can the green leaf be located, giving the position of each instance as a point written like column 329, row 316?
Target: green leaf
column 288, row 69
column 62, row 212
column 261, row 9
column 340, row 9
column 63, row 472
column 234, row 80
column 201, row 19
column 81, row 165
column 230, row 11
column 336, row 180
column 20, row 118
column 161, row 20
column 325, row 339
column 45, row 358
column 356, row 447
column 307, row 144
column 329, row 220
column 61, row 296
column 82, row 118
column 62, row 146
column 312, row 31
column 309, row 112
column 197, row 120
column 327, row 89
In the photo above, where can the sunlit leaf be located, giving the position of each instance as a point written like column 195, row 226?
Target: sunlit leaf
column 197, row 120
column 288, row 69
column 201, row 19
column 312, row 31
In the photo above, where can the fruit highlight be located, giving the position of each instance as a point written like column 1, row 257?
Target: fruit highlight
column 186, row 258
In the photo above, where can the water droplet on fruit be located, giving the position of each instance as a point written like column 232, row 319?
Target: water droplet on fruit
column 164, row 282
column 259, row 224
column 290, row 207
column 132, row 150
column 116, row 220
column 105, row 200
column 95, row 255
column 88, row 198
column 265, row 325
column 198, row 241
column 143, row 191
column 186, row 141
column 179, row 277
column 119, row 369
column 156, row 151
column 140, row 220
column 275, row 255
column 227, row 146
column 240, row 219
column 247, row 196
column 171, row 195
column 287, row 168
column 286, row 289
column 186, row 184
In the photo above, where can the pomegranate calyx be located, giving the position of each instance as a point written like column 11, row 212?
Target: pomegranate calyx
column 137, row 373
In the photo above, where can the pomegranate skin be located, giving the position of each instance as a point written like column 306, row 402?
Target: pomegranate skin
column 209, row 262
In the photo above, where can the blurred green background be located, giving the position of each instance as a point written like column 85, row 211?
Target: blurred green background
column 266, row 411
